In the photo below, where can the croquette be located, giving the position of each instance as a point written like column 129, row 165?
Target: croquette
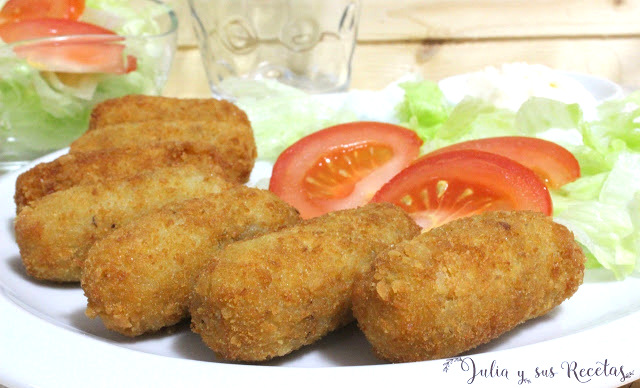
column 270, row 295
column 465, row 283
column 234, row 143
column 55, row 232
column 138, row 278
column 136, row 108
column 113, row 163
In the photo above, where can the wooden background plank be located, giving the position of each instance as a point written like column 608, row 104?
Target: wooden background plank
column 376, row 65
column 617, row 59
column 481, row 19
column 418, row 20
column 439, row 38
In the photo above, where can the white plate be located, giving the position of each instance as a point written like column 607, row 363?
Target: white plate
column 46, row 340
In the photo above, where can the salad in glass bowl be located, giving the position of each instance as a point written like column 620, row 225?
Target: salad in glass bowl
column 58, row 58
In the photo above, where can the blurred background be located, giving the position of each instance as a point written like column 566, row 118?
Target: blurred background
column 439, row 38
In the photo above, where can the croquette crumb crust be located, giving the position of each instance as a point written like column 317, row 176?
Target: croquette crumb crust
column 55, row 232
column 110, row 164
column 136, row 108
column 273, row 294
column 234, row 143
column 463, row 284
column 138, row 279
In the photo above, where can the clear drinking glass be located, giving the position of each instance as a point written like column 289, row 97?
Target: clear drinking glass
column 307, row 44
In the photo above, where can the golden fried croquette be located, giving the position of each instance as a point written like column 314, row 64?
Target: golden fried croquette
column 465, row 283
column 270, row 295
column 113, row 163
column 55, row 232
column 138, row 279
column 137, row 108
column 234, row 143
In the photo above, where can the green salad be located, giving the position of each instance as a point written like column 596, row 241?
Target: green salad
column 42, row 110
column 602, row 207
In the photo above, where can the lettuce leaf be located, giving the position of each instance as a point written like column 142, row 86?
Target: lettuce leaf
column 602, row 207
column 122, row 18
column 280, row 115
column 424, row 108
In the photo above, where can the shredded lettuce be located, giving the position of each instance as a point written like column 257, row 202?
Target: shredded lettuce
column 44, row 111
column 424, row 107
column 280, row 115
column 602, row 207
column 120, row 17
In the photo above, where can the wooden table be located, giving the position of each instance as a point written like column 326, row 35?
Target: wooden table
column 439, row 38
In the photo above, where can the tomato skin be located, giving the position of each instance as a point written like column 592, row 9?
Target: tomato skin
column 554, row 164
column 79, row 56
column 48, row 28
column 300, row 159
column 15, row 10
column 85, row 48
column 439, row 188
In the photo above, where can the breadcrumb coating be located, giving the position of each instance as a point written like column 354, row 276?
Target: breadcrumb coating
column 55, row 232
column 268, row 296
column 138, row 279
column 465, row 283
column 113, row 163
column 136, row 108
column 234, row 143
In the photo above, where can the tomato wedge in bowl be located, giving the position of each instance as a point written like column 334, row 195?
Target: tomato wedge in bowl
column 440, row 188
column 342, row 166
column 15, row 10
column 60, row 78
column 48, row 27
column 68, row 46
column 554, row 164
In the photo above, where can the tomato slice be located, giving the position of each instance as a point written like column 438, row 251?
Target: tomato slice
column 342, row 166
column 48, row 28
column 82, row 47
column 440, row 188
column 15, row 10
column 554, row 164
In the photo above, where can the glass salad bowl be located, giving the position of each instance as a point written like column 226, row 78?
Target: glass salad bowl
column 49, row 85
